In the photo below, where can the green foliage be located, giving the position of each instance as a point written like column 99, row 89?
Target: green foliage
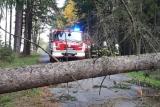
column 150, row 7
column 21, row 61
column 85, row 6
column 44, row 11
column 122, row 86
column 8, row 100
column 67, row 97
column 109, row 52
column 103, row 52
column 140, row 77
column 5, row 101
column 6, row 54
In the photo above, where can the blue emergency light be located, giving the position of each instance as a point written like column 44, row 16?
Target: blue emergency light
column 77, row 28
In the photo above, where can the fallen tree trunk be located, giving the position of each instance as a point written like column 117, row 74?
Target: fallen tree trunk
column 46, row 74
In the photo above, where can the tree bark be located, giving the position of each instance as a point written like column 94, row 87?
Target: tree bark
column 42, row 75
column 10, row 28
column 6, row 26
column 35, row 36
column 18, row 26
column 28, row 27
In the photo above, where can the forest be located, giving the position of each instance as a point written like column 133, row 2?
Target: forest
column 124, row 34
column 134, row 25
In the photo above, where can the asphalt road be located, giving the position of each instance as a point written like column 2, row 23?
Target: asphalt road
column 115, row 92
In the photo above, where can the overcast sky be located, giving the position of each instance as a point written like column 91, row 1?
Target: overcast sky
column 60, row 3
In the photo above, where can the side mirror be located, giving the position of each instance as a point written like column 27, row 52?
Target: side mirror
column 69, row 34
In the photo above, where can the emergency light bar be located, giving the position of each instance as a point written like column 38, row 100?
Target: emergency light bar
column 76, row 29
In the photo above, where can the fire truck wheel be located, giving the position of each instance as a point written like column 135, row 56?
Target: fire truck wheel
column 52, row 60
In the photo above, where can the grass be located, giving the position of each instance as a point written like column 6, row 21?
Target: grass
column 11, row 99
column 121, row 86
column 67, row 97
column 118, row 86
column 5, row 101
column 151, row 81
column 21, row 61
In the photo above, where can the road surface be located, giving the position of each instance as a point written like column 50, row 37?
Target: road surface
column 115, row 92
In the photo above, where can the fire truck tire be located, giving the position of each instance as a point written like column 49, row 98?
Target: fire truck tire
column 52, row 60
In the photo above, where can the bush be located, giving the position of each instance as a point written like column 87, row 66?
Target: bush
column 6, row 54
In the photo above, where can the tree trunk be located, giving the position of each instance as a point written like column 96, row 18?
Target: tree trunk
column 38, row 41
column 28, row 28
column 6, row 26
column 18, row 26
column 10, row 25
column 35, row 36
column 138, row 46
column 1, row 14
column 43, row 75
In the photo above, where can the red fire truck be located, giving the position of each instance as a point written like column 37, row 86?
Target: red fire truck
column 68, row 44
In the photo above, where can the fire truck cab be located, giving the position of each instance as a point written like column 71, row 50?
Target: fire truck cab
column 67, row 44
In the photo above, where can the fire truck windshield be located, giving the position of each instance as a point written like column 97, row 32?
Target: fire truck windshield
column 75, row 36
